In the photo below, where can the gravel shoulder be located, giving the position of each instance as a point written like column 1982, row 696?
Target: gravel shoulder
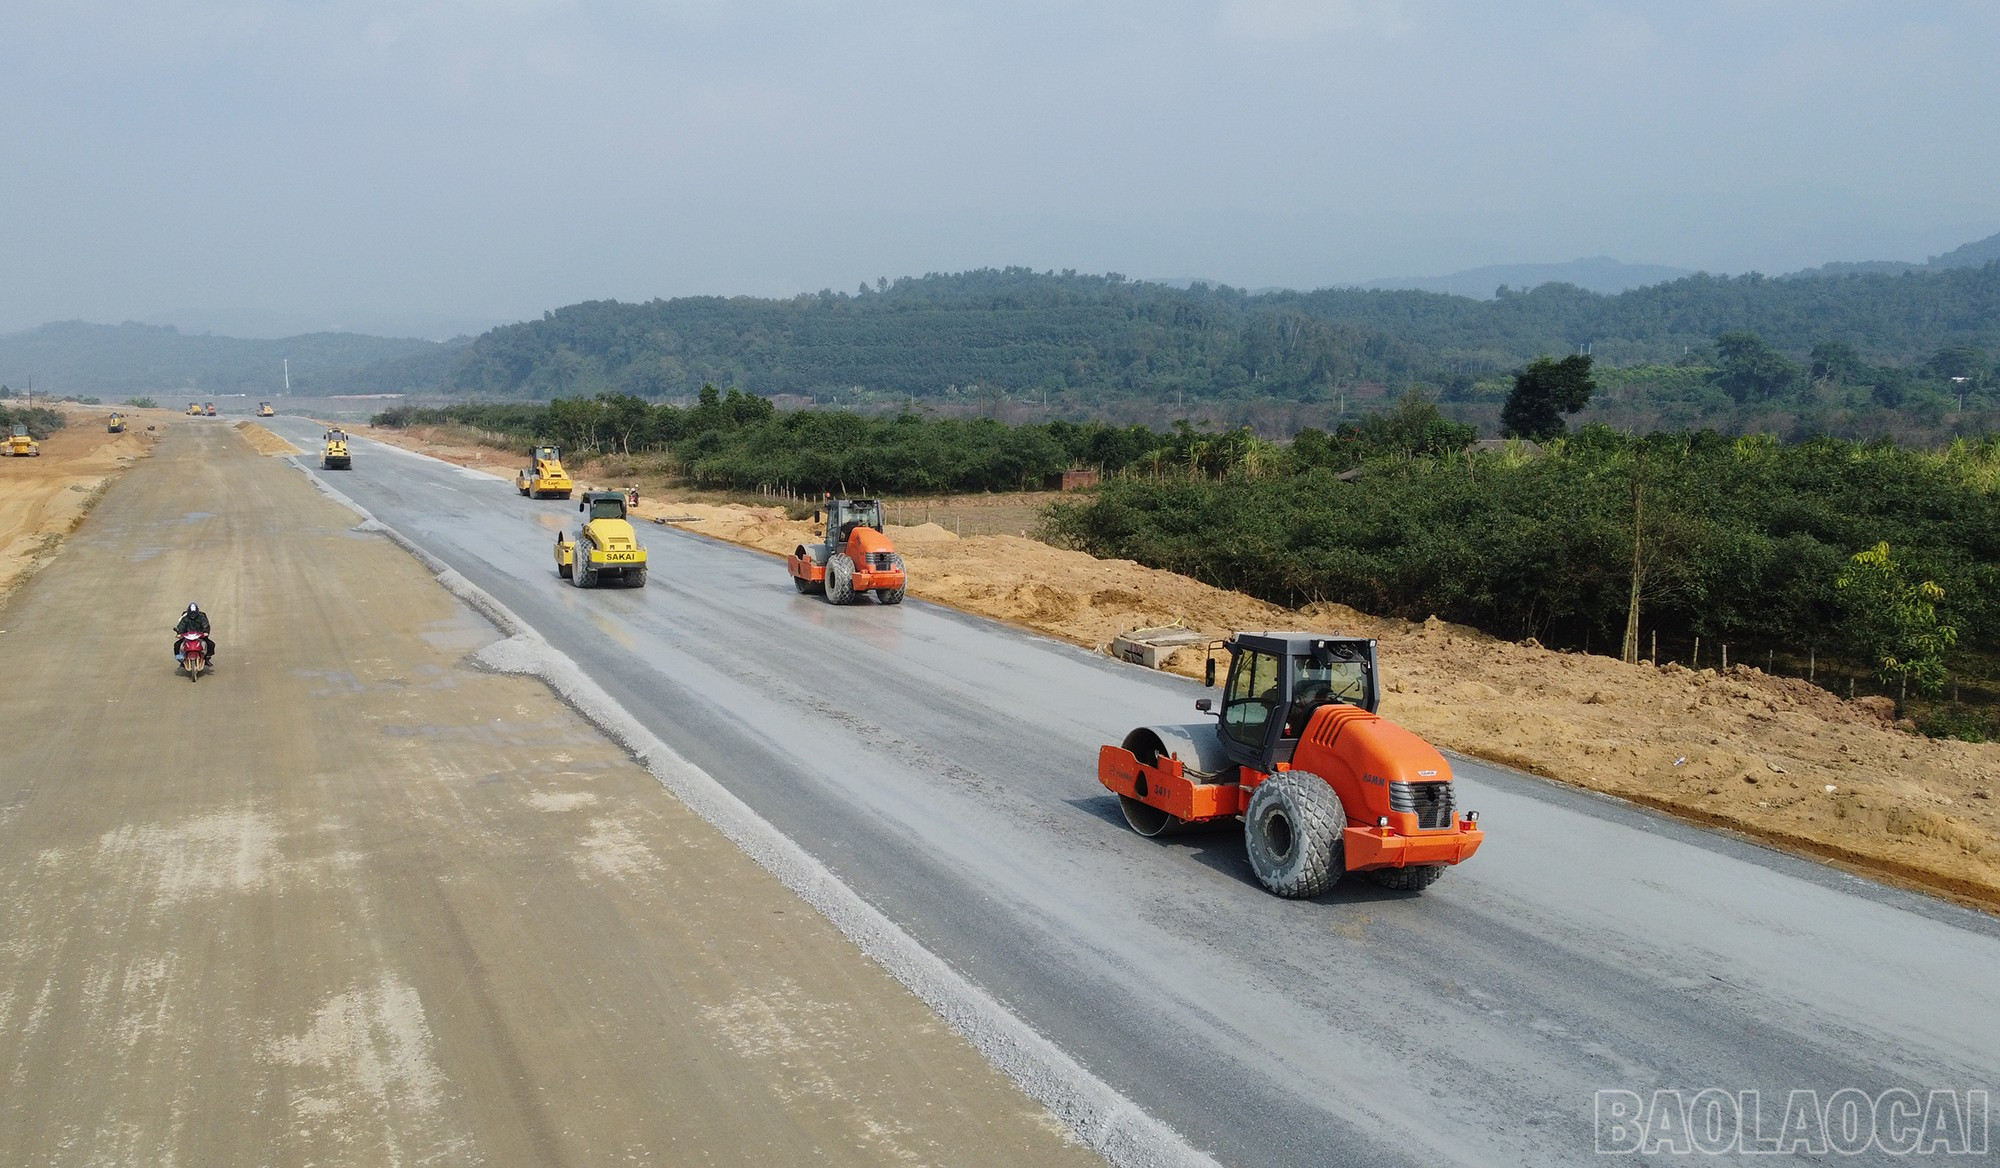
column 351, row 899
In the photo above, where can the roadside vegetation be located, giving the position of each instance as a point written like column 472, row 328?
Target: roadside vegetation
column 40, row 420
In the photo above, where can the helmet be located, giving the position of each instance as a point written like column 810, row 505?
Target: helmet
column 193, row 607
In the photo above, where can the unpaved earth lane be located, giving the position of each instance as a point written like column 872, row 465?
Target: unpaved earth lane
column 350, row 900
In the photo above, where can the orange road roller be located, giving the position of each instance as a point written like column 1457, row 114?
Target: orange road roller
column 1323, row 784
column 852, row 559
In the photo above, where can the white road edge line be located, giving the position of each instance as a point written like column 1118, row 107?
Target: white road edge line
column 1104, row 1120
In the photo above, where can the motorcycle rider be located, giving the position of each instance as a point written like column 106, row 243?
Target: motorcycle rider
column 194, row 620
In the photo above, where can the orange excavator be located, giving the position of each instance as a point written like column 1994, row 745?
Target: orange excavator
column 854, row 556
column 1324, row 785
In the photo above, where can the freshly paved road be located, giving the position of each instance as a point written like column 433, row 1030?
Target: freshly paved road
column 943, row 767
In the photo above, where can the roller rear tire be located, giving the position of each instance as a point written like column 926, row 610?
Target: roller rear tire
column 1292, row 834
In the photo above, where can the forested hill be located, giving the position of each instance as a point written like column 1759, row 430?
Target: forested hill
column 112, row 361
column 1086, row 339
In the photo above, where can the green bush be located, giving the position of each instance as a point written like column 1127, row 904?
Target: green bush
column 40, row 420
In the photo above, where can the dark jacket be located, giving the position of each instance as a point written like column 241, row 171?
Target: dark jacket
column 192, row 622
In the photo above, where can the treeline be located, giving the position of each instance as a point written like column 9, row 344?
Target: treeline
column 1741, row 541
column 742, row 442
column 1076, row 342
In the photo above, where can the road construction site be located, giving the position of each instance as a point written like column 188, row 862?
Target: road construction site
column 1776, row 758
column 357, row 887
column 353, row 899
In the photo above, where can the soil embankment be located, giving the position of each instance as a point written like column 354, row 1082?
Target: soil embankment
column 42, row 499
column 350, row 899
column 1775, row 758
column 264, row 441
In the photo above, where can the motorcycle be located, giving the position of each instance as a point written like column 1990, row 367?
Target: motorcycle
column 194, row 654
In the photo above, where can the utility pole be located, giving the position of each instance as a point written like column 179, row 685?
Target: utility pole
column 1631, row 649
column 288, row 374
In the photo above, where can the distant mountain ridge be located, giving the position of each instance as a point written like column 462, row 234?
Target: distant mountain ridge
column 80, row 359
column 1976, row 254
column 1600, row 274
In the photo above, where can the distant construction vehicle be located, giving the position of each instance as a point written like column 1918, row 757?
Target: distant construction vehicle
column 194, row 409
column 20, row 445
column 604, row 547
column 1324, row 784
column 209, row 409
column 335, row 455
column 115, row 424
column 853, row 557
column 544, row 476
column 264, row 410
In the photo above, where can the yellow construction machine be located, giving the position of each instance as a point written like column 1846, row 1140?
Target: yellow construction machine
column 336, row 456
column 20, row 445
column 194, row 409
column 115, row 424
column 264, row 410
column 604, row 546
column 544, row 476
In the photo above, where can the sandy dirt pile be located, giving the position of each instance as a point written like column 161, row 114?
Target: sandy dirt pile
column 43, row 499
column 1773, row 757
column 264, row 441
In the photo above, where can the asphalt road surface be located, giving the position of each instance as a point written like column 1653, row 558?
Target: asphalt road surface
column 943, row 766
column 350, row 900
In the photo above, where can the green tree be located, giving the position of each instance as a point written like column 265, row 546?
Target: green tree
column 1896, row 622
column 1958, row 361
column 1752, row 370
column 1543, row 393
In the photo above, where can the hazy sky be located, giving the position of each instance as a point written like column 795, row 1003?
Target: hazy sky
column 426, row 165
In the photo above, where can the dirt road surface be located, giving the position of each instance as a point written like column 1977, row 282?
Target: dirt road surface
column 350, row 900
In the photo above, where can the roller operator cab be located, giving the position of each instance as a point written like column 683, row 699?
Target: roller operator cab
column 1322, row 783
column 21, row 445
column 604, row 547
column 544, row 476
column 336, row 456
column 852, row 558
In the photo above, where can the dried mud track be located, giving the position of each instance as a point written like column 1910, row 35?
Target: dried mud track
column 943, row 766
column 352, row 900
